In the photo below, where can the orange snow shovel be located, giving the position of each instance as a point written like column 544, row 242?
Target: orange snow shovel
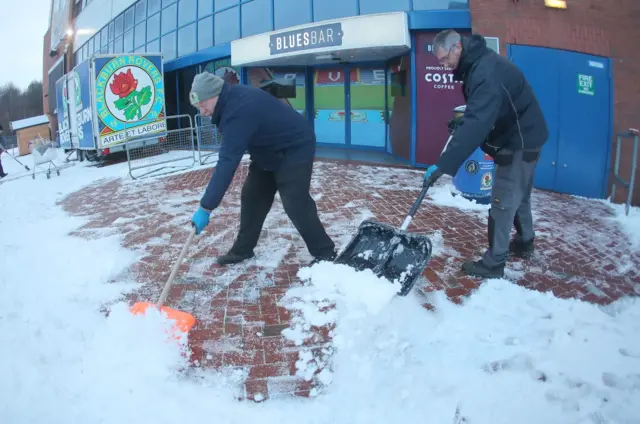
column 183, row 320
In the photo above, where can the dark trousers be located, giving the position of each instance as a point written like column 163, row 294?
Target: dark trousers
column 293, row 185
column 1, row 170
column 510, row 206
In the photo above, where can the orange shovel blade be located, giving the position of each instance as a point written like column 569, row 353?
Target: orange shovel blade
column 184, row 321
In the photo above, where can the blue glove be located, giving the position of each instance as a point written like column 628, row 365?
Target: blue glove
column 200, row 219
column 431, row 176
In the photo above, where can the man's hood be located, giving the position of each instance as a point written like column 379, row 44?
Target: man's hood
column 473, row 48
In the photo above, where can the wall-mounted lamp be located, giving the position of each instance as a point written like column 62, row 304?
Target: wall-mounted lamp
column 556, row 4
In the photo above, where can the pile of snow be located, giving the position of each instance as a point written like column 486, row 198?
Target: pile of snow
column 506, row 355
column 630, row 223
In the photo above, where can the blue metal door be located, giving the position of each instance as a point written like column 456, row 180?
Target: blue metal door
column 583, row 152
column 540, row 68
column 574, row 92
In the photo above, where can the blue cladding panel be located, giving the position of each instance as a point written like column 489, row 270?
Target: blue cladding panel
column 291, row 12
column 440, row 4
column 332, row 9
column 382, row 6
column 256, row 17
column 226, row 26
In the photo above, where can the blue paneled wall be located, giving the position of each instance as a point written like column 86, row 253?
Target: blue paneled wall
column 182, row 27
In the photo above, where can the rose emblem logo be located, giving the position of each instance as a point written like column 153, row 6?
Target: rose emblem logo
column 130, row 93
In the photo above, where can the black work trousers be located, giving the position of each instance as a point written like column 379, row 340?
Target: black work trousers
column 257, row 197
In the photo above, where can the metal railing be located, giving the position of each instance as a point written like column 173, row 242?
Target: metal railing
column 155, row 153
column 631, row 134
column 209, row 139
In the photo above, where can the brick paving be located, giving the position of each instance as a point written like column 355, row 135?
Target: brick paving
column 581, row 254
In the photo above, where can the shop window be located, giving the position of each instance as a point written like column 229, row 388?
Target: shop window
column 226, row 26
column 382, row 6
column 140, row 39
column 153, row 27
column 332, row 9
column 169, row 19
column 186, row 12
column 223, row 69
column 367, row 91
column 398, row 116
column 205, row 33
column 168, row 46
column 205, row 8
column 259, row 77
column 185, row 79
column 187, row 40
column 256, row 17
column 288, row 13
column 224, row 4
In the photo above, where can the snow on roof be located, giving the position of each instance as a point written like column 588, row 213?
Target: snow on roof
column 29, row 122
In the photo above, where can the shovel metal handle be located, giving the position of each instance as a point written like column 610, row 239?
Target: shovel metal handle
column 414, row 208
column 174, row 271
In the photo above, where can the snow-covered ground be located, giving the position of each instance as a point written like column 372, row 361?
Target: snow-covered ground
column 506, row 355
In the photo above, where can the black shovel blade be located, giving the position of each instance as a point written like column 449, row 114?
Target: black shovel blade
column 389, row 252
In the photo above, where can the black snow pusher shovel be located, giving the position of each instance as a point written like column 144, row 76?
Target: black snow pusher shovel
column 396, row 255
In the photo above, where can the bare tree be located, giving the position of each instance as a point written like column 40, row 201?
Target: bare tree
column 16, row 104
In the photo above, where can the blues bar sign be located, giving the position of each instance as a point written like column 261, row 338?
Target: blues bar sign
column 307, row 38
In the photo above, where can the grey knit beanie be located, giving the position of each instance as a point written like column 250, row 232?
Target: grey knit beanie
column 205, row 86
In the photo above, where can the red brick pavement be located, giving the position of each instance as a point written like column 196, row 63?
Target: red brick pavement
column 581, row 254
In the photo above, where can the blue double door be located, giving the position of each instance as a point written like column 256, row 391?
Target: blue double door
column 574, row 91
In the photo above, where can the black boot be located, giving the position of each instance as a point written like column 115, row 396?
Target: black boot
column 479, row 269
column 521, row 249
column 328, row 257
column 234, row 258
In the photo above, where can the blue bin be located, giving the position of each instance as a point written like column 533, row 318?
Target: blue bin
column 474, row 178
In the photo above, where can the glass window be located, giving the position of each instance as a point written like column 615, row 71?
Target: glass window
column 154, row 46
column 119, row 28
column 153, row 27
column 256, row 17
column 141, row 11
column 205, row 8
column 140, row 39
column 367, row 99
column 187, row 39
column 226, row 26
column 85, row 50
column 168, row 46
column 117, row 45
column 140, row 49
column 128, row 19
column 128, row 41
column 205, row 33
column 169, row 19
column 111, row 31
column 382, row 6
column 96, row 43
column 331, row 9
column 166, row 3
column 154, row 6
column 289, row 13
column 223, row 4
column 104, row 36
column 186, row 12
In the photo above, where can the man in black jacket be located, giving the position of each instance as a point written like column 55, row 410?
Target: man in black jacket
column 502, row 117
column 281, row 144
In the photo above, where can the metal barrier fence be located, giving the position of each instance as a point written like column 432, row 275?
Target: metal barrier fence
column 9, row 141
column 152, row 154
column 209, row 139
column 631, row 134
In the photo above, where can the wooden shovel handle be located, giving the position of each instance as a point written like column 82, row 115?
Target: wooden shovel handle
column 174, row 271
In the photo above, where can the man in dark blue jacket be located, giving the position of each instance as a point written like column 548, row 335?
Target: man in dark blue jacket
column 281, row 144
column 503, row 117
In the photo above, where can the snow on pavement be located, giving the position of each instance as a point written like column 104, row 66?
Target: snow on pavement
column 506, row 354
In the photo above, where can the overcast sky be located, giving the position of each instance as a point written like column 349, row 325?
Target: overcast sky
column 23, row 24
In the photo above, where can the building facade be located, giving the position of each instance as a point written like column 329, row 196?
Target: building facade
column 364, row 75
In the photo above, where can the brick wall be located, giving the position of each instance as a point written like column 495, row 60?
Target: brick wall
column 599, row 27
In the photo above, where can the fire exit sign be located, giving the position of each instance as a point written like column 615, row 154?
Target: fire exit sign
column 585, row 84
